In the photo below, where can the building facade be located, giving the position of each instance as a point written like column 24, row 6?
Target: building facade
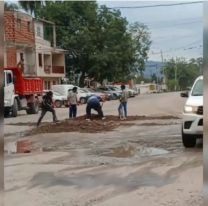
column 27, row 48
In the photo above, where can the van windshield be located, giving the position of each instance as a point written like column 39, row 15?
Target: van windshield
column 198, row 88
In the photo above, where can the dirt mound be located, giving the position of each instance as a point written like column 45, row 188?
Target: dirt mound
column 96, row 125
column 79, row 126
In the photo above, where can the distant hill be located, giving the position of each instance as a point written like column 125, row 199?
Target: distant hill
column 152, row 67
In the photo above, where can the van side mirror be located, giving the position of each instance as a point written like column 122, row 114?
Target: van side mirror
column 185, row 94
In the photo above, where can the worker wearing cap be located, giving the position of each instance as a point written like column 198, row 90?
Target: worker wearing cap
column 94, row 103
column 47, row 106
column 72, row 100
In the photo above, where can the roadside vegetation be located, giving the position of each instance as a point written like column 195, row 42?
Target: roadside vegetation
column 180, row 74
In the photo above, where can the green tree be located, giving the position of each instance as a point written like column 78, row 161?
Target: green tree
column 31, row 6
column 154, row 78
column 141, row 37
column 113, row 58
column 10, row 6
column 182, row 73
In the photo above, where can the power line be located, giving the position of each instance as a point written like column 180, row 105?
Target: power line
column 180, row 48
column 173, row 25
column 156, row 5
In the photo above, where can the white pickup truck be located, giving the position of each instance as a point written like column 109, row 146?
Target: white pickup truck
column 192, row 126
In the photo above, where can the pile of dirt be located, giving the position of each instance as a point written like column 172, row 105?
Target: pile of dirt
column 81, row 126
column 96, row 125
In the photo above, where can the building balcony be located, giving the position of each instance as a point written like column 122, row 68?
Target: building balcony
column 58, row 69
column 29, row 70
column 47, row 69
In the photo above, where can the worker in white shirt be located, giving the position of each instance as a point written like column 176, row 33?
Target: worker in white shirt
column 72, row 100
column 122, row 109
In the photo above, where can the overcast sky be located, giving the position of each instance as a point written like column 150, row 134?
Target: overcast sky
column 176, row 30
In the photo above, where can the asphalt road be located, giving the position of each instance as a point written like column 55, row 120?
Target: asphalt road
column 143, row 164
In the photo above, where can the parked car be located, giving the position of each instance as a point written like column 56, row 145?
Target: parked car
column 132, row 93
column 58, row 99
column 192, row 125
column 82, row 95
column 104, row 96
column 111, row 94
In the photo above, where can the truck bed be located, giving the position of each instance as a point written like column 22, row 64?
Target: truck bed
column 29, row 86
column 26, row 85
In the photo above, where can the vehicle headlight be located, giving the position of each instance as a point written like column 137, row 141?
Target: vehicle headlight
column 190, row 109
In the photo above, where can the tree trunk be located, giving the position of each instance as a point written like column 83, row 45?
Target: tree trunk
column 81, row 81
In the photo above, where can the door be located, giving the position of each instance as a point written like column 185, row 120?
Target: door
column 8, row 88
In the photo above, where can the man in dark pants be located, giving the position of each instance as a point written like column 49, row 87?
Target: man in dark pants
column 94, row 103
column 47, row 106
column 72, row 99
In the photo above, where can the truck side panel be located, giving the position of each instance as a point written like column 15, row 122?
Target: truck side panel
column 26, row 86
column 31, row 86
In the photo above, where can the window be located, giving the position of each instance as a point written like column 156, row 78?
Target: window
column 38, row 31
column 21, row 56
column 40, row 62
column 45, row 85
column 198, row 88
column 49, row 85
column 19, row 24
column 29, row 26
column 9, row 78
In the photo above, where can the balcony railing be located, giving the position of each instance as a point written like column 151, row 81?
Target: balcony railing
column 47, row 69
column 58, row 69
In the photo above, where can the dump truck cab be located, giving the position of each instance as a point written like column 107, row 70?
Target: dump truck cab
column 21, row 93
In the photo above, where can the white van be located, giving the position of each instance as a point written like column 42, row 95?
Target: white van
column 192, row 126
column 63, row 90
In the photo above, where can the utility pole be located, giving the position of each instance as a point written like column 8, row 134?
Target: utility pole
column 162, row 66
column 156, row 74
column 176, row 74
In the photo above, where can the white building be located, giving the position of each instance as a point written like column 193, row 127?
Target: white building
column 50, row 60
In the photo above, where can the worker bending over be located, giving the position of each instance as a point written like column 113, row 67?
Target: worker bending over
column 94, row 103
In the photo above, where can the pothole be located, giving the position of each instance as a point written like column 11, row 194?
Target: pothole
column 132, row 151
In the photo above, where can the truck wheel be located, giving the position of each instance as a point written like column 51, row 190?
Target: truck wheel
column 188, row 140
column 83, row 100
column 58, row 103
column 14, row 108
column 6, row 112
column 33, row 108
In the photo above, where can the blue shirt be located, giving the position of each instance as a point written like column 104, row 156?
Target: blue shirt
column 93, row 100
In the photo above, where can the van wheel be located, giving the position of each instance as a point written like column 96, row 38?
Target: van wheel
column 83, row 100
column 14, row 108
column 188, row 140
column 58, row 103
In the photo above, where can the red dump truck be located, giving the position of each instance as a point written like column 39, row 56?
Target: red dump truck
column 21, row 93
